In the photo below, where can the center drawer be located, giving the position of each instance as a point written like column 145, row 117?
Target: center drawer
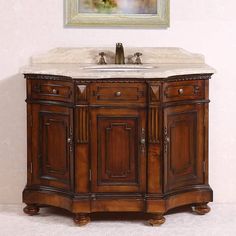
column 117, row 93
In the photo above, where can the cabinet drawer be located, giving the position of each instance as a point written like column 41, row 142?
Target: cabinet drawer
column 52, row 90
column 183, row 90
column 125, row 93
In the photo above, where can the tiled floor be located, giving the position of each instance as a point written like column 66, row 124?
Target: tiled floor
column 220, row 221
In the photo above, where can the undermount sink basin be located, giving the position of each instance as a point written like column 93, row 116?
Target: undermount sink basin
column 116, row 67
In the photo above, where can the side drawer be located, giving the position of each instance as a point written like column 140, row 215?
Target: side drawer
column 52, row 90
column 183, row 90
column 118, row 93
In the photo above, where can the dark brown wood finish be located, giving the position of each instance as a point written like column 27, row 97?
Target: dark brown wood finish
column 118, row 157
column 117, row 145
column 52, row 142
column 183, row 146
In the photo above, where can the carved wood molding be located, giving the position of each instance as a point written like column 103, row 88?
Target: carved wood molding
column 124, row 173
column 119, row 80
column 153, row 125
column 188, row 77
column 47, row 77
column 82, row 129
column 48, row 171
column 154, row 93
column 81, row 93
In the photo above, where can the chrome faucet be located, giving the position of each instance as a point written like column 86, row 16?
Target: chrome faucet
column 119, row 58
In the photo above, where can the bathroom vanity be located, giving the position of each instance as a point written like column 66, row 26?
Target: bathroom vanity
column 117, row 138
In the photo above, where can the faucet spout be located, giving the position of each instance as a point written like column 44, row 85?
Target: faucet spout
column 119, row 58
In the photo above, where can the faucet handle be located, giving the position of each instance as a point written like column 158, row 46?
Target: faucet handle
column 102, row 59
column 138, row 59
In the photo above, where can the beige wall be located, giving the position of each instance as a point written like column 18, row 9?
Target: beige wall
column 29, row 27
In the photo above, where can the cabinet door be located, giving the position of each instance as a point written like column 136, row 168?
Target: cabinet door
column 51, row 146
column 183, row 146
column 118, row 150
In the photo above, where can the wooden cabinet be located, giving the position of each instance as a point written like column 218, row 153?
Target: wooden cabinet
column 117, row 153
column 51, row 138
column 183, row 146
column 128, row 145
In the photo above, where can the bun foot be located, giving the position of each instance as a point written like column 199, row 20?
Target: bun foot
column 81, row 219
column 202, row 209
column 156, row 220
column 31, row 210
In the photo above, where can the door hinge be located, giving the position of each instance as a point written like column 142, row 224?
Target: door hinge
column 70, row 139
column 90, row 175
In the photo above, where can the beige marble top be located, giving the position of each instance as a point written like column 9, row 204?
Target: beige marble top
column 80, row 63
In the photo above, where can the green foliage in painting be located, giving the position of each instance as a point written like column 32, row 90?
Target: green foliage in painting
column 103, row 6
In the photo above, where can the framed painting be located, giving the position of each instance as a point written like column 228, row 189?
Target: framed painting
column 119, row 13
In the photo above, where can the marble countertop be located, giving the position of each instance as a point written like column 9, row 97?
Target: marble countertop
column 76, row 63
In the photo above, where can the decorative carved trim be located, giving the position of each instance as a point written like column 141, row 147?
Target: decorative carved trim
column 81, row 93
column 82, row 129
column 125, row 172
column 150, row 80
column 111, row 80
column 188, row 77
column 47, row 119
column 166, row 139
column 154, row 93
column 47, row 77
column 153, row 125
column 119, row 80
column 143, row 141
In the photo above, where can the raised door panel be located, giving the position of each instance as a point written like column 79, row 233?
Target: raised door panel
column 118, row 158
column 52, row 146
column 183, row 146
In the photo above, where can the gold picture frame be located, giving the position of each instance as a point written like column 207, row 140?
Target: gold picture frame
column 109, row 13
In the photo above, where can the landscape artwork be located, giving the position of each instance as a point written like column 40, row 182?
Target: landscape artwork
column 118, row 6
column 117, row 13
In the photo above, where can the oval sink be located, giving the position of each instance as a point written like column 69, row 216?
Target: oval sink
column 119, row 67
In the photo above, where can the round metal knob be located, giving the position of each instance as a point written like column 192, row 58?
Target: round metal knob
column 69, row 140
column 167, row 139
column 181, row 91
column 142, row 141
column 54, row 91
column 118, row 93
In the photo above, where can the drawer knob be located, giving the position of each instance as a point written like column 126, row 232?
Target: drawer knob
column 142, row 141
column 54, row 91
column 181, row 91
column 118, row 94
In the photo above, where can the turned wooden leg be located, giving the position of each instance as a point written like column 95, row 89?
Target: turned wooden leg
column 156, row 220
column 31, row 210
column 201, row 209
column 81, row 219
